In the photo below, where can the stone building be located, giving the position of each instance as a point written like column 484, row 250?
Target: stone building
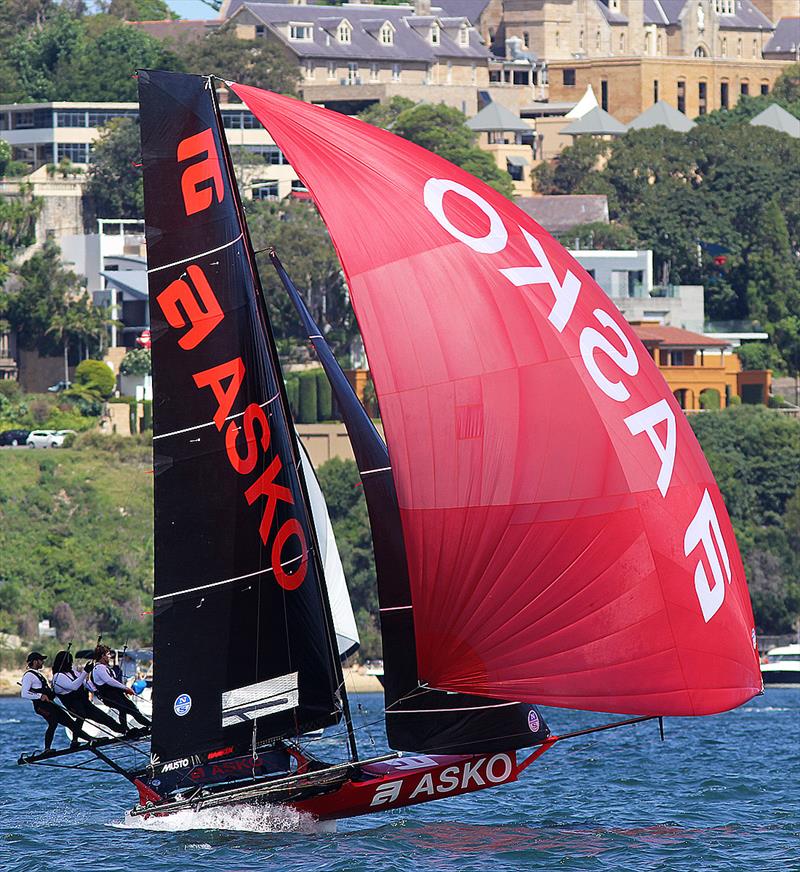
column 357, row 54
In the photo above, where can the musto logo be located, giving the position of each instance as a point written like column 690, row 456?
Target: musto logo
column 471, row 774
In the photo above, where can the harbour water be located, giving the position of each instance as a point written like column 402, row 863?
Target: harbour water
column 721, row 793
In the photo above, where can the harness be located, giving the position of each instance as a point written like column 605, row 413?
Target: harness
column 44, row 685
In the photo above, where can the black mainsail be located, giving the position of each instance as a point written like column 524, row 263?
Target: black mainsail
column 242, row 629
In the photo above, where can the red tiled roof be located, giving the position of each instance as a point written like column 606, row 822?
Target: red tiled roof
column 674, row 337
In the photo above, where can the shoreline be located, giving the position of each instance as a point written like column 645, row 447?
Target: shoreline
column 355, row 678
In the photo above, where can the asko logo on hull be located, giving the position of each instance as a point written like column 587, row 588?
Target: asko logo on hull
column 434, row 780
column 190, row 304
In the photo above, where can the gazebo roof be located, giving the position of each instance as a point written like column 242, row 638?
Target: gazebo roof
column 778, row 118
column 494, row 117
column 664, row 115
column 596, row 122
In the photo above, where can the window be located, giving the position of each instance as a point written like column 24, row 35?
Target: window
column 764, row 88
column 682, row 97
column 702, row 98
column 23, row 120
column 580, row 40
column 435, row 35
column 395, row 72
column 755, row 48
column 723, row 7
column 604, row 95
column 301, row 32
column 700, row 52
column 331, row 69
column 239, row 121
column 558, row 40
column 352, row 74
column 648, row 38
column 387, row 34
column 597, row 40
column 613, row 5
column 463, row 36
column 308, row 70
column 344, row 33
column 744, row 89
column 659, row 43
column 655, row 90
column 568, row 77
column 373, row 72
column 273, row 155
column 71, row 118
column 474, row 70
column 261, row 30
column 449, row 72
column 622, row 42
column 265, row 191
column 724, row 95
column 739, row 48
column 297, row 185
column 526, row 39
column 77, row 152
column 723, row 47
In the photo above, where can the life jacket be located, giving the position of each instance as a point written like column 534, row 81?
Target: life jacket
column 73, row 699
column 44, row 685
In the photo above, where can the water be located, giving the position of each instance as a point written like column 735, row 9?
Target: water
column 720, row 794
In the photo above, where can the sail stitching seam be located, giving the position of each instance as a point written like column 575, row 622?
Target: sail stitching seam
column 209, row 423
column 230, row 580
column 196, row 256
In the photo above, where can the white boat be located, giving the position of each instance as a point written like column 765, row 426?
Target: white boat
column 782, row 666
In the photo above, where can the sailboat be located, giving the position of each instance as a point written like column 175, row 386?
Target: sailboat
column 545, row 526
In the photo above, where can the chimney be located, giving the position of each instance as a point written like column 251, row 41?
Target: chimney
column 422, row 7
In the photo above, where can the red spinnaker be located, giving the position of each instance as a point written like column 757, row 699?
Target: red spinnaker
column 566, row 540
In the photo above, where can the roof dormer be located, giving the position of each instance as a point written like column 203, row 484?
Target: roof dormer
column 435, row 33
column 386, row 33
column 344, row 32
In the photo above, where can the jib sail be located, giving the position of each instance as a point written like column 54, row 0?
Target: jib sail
column 243, row 647
column 417, row 718
column 565, row 538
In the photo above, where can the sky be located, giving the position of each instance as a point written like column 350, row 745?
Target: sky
column 192, row 9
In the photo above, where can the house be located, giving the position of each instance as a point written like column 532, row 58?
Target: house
column 700, row 370
column 560, row 213
column 357, row 54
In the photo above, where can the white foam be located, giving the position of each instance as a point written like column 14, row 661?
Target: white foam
column 242, row 818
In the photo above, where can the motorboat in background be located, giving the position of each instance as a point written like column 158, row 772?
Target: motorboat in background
column 782, row 666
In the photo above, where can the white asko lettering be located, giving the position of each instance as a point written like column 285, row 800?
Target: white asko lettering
column 592, row 341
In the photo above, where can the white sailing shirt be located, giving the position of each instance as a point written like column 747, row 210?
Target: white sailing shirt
column 102, row 675
column 66, row 682
column 31, row 684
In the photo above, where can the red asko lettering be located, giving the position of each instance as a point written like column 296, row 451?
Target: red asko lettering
column 181, row 307
column 196, row 178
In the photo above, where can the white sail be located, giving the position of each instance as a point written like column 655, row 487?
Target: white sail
column 344, row 621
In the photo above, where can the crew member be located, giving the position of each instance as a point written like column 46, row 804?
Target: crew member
column 36, row 688
column 113, row 692
column 69, row 685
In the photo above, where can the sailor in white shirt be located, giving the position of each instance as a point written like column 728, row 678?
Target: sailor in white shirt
column 69, row 685
column 36, row 688
column 114, row 693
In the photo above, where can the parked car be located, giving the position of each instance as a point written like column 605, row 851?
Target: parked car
column 13, row 437
column 60, row 386
column 47, row 438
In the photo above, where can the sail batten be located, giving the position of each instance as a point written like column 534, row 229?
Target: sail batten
column 527, row 428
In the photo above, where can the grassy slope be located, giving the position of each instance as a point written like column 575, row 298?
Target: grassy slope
column 76, row 527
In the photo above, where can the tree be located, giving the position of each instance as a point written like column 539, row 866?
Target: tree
column 39, row 303
column 18, row 217
column 759, row 355
column 773, row 289
column 572, row 169
column 258, row 62
column 786, row 335
column 302, row 242
column 115, row 188
column 442, row 130
column 96, row 376
column 139, row 10
column 385, row 115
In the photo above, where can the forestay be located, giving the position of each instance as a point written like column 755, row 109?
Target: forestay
column 566, row 541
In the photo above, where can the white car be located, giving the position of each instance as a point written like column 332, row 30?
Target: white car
column 47, row 438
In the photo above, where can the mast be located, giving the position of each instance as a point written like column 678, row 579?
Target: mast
column 266, row 327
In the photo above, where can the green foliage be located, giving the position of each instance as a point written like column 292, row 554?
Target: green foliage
column 261, row 63
column 137, row 361
column 759, row 355
column 293, row 393
column 344, row 495
column 308, row 397
column 302, row 242
column 324, row 396
column 115, row 188
column 442, row 130
column 77, row 529
column 574, row 166
column 140, row 10
column 17, row 228
column 96, row 376
column 755, row 456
